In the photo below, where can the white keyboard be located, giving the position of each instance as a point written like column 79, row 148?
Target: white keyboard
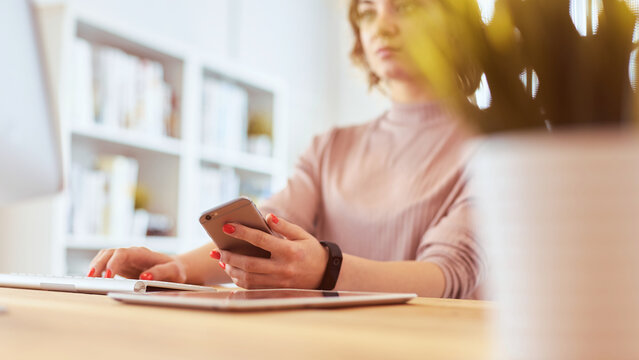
column 91, row 285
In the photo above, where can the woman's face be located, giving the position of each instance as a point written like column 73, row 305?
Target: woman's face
column 385, row 26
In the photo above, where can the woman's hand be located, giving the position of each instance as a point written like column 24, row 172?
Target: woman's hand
column 137, row 262
column 297, row 260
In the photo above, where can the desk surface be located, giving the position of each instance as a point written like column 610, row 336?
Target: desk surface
column 47, row 325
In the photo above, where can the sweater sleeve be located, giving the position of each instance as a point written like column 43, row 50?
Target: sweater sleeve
column 452, row 245
column 299, row 201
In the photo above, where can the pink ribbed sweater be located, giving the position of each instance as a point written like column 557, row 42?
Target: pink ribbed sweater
column 391, row 189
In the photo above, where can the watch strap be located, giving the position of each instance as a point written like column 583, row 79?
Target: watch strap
column 333, row 266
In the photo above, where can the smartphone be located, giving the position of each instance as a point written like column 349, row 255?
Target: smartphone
column 242, row 211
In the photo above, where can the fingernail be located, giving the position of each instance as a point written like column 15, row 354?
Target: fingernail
column 91, row 272
column 146, row 276
column 222, row 265
column 215, row 255
column 228, row 228
column 108, row 274
column 274, row 219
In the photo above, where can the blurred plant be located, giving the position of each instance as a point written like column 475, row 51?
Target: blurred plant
column 260, row 124
column 142, row 197
column 582, row 80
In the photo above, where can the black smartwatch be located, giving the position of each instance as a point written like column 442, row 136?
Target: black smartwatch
column 333, row 266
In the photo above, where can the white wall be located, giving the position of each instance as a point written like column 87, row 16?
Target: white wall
column 201, row 23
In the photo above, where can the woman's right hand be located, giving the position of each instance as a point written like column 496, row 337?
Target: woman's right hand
column 137, row 262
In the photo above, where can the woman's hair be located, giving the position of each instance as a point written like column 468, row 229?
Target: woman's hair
column 357, row 53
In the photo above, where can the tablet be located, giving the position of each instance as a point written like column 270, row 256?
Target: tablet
column 277, row 299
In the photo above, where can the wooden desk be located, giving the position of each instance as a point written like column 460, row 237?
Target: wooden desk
column 52, row 325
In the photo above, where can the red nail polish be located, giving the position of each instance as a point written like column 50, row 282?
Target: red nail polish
column 222, row 265
column 228, row 228
column 108, row 274
column 91, row 272
column 274, row 219
column 146, row 276
column 215, row 255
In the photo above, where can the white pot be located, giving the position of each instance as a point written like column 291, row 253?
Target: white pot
column 558, row 215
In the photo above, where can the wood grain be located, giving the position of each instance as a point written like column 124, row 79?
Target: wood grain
column 51, row 325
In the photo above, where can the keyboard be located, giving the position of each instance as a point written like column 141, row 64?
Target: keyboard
column 91, row 285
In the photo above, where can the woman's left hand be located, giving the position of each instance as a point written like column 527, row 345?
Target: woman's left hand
column 297, row 261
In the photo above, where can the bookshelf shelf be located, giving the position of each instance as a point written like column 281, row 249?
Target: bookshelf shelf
column 129, row 138
column 98, row 242
column 239, row 160
column 154, row 148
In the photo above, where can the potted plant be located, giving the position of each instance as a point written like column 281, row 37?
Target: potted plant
column 557, row 173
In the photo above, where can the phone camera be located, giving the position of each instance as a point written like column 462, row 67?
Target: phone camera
column 208, row 217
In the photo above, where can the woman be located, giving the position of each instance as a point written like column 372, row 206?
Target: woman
column 390, row 193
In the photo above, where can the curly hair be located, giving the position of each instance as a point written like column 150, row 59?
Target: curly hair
column 357, row 52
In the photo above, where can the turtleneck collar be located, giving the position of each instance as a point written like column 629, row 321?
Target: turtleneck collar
column 421, row 113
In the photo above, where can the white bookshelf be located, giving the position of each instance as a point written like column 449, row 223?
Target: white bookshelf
column 248, row 162
column 98, row 242
column 170, row 167
column 97, row 134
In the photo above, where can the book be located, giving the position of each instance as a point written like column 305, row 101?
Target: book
column 217, row 185
column 84, row 108
column 88, row 200
column 122, row 91
column 224, row 115
column 122, row 175
column 103, row 198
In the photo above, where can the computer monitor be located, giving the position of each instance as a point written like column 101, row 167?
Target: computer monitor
column 30, row 156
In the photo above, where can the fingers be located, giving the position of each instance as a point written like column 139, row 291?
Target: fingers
column 127, row 262
column 172, row 271
column 256, row 273
column 117, row 263
column 249, row 263
column 99, row 262
column 256, row 237
column 249, row 280
column 288, row 229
